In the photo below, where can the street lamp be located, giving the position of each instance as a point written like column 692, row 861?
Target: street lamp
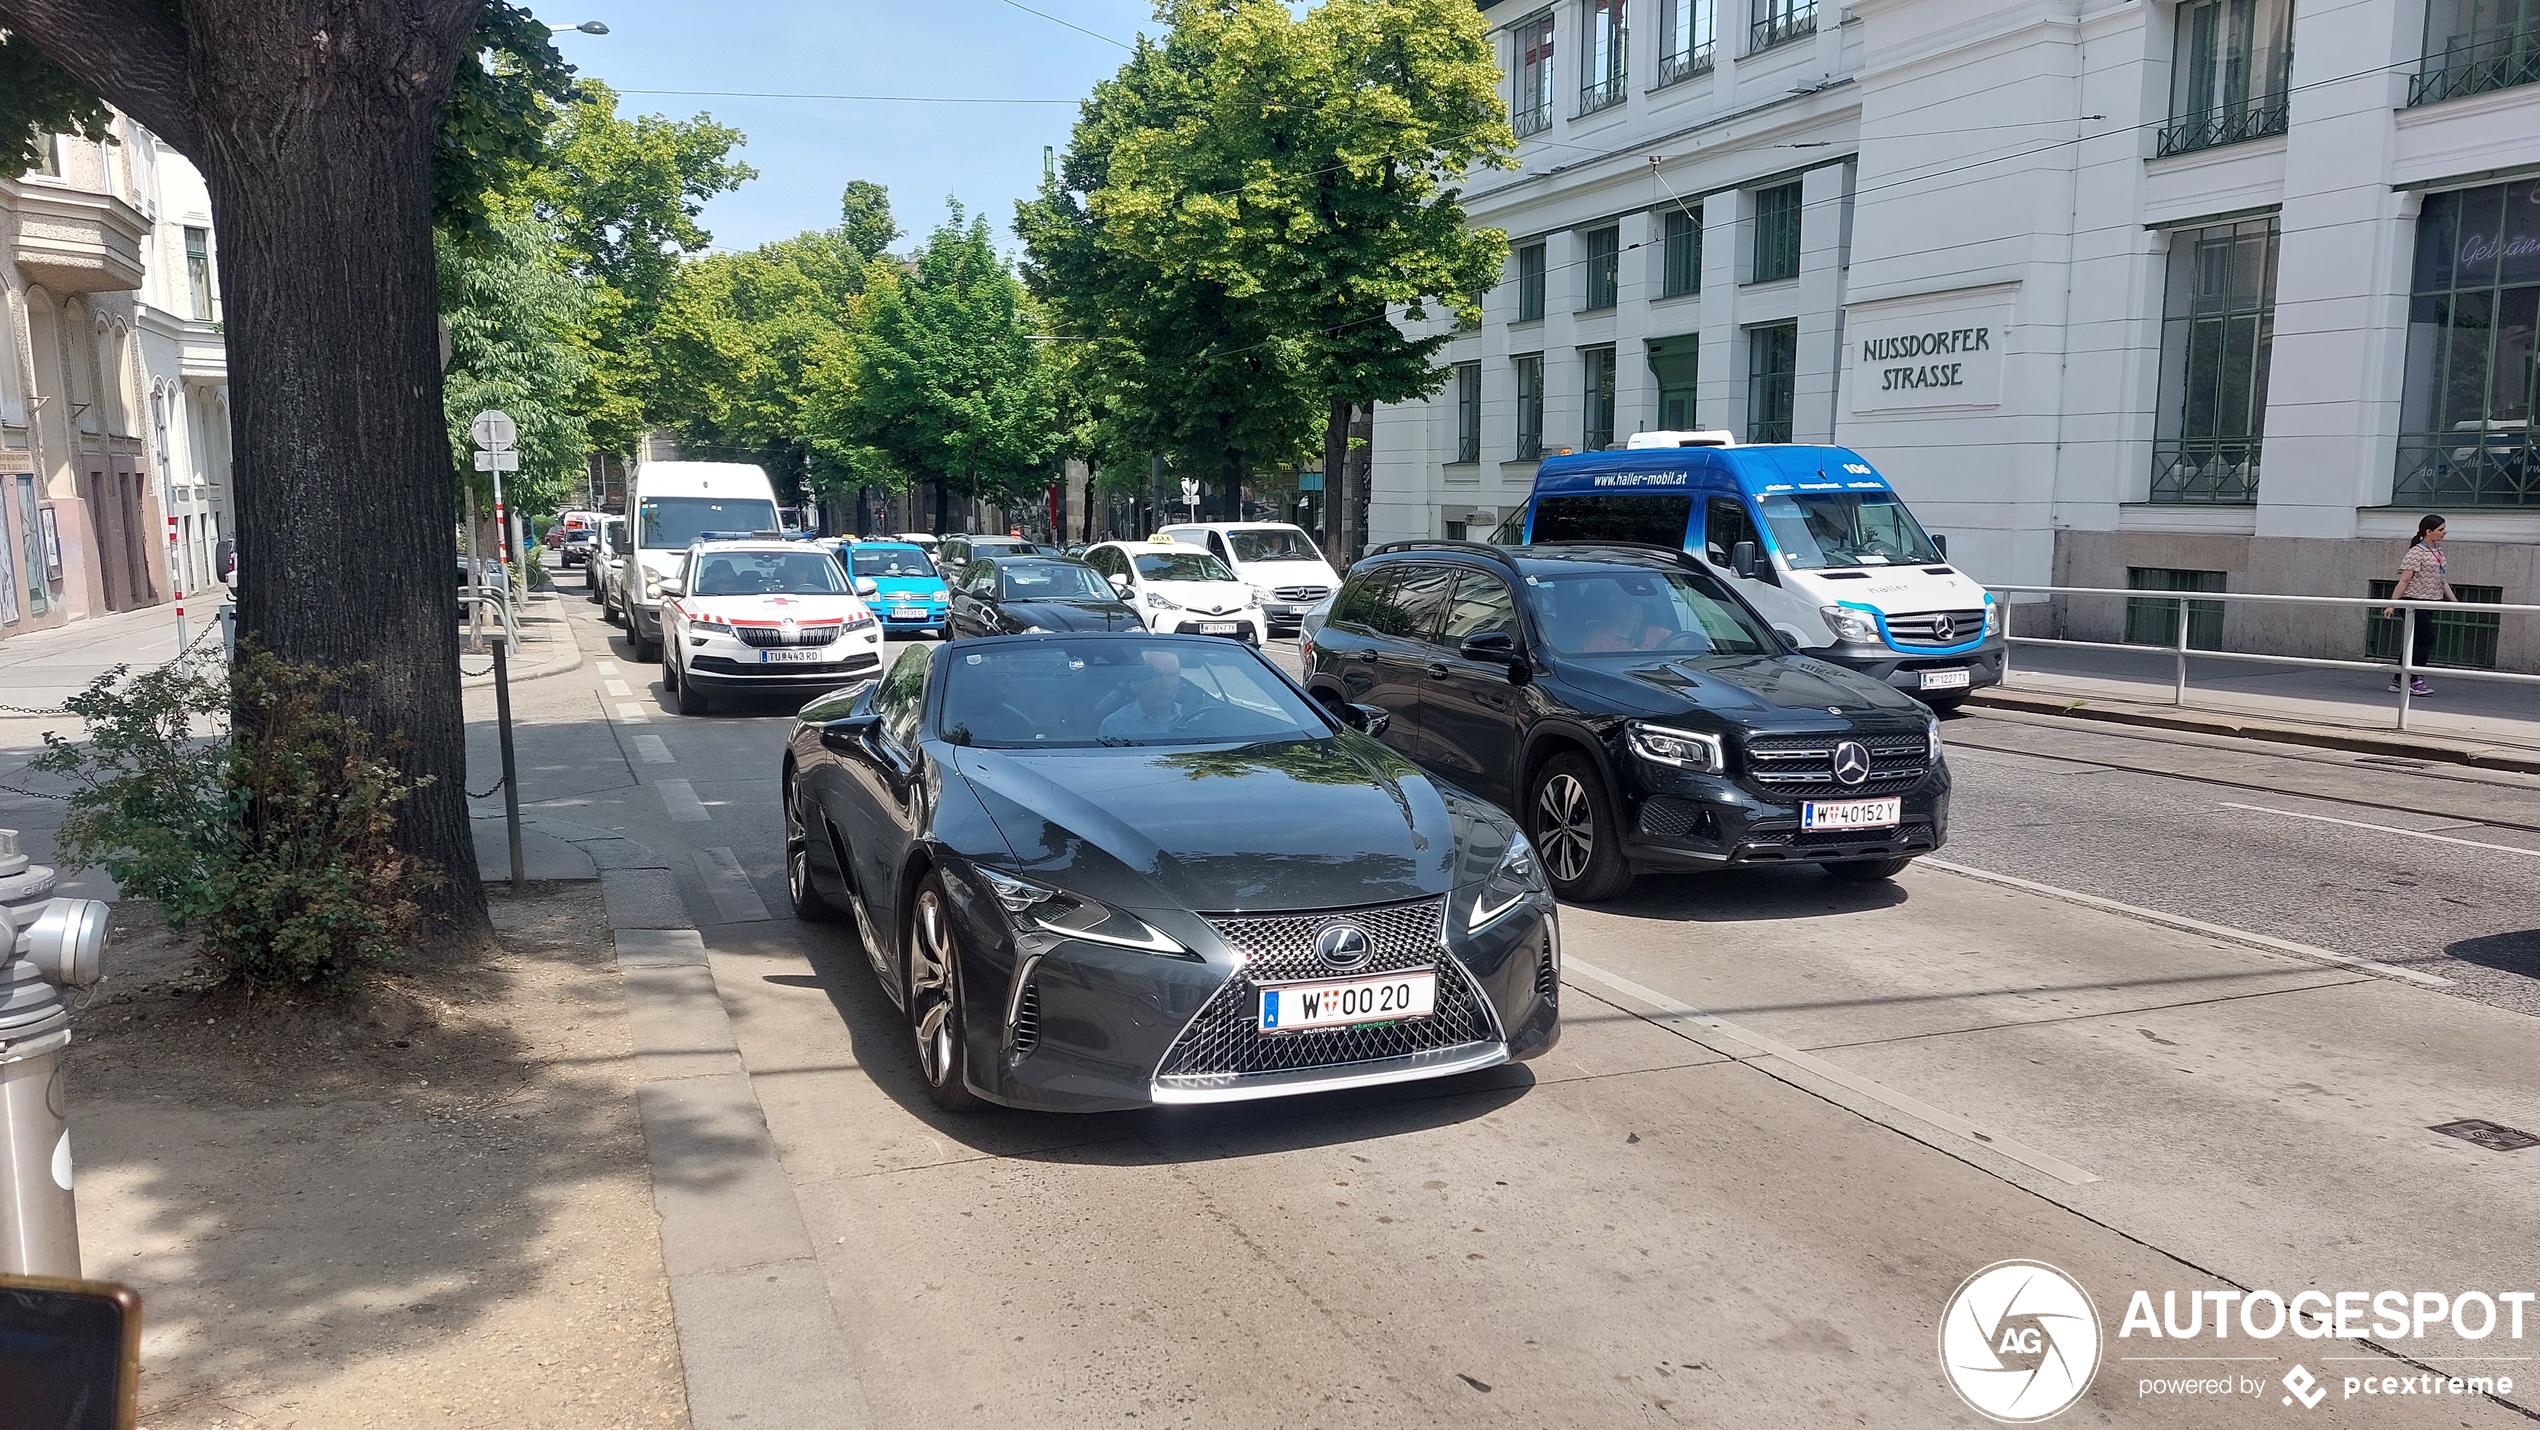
column 587, row 27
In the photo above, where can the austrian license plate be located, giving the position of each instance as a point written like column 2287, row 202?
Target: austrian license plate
column 1219, row 628
column 1945, row 679
column 1851, row 814
column 807, row 655
column 908, row 613
column 1340, row 1002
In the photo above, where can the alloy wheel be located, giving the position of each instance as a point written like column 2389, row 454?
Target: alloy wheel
column 930, row 1003
column 1565, row 830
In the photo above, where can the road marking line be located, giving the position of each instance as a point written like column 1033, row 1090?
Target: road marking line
column 2180, row 921
column 617, row 687
column 1914, row 1107
column 630, row 714
column 605, row 667
column 681, row 797
column 734, row 896
column 2385, row 829
column 653, row 750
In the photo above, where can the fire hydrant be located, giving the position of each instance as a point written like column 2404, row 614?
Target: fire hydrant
column 46, row 945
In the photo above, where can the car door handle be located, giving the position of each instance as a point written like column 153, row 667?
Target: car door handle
column 1437, row 670
column 1368, row 655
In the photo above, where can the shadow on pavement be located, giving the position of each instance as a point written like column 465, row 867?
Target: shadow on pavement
column 2517, row 952
column 1740, row 895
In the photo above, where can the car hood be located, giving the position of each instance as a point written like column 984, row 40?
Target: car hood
column 1286, row 825
column 1749, row 690
column 1074, row 615
column 1209, row 598
column 774, row 610
column 924, row 587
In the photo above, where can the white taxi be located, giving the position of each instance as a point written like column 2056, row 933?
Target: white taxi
column 1180, row 589
column 774, row 617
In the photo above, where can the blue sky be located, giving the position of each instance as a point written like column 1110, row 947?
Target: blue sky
column 988, row 155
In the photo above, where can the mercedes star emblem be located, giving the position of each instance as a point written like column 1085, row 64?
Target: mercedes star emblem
column 1944, row 627
column 1851, row 763
column 1344, row 945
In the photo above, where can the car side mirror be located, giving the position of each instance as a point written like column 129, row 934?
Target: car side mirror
column 1120, row 584
column 1745, row 560
column 867, row 586
column 1941, row 544
column 672, row 586
column 849, row 735
column 1367, row 720
column 1789, row 642
column 1496, row 647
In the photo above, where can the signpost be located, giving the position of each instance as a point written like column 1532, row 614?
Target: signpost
column 176, row 583
column 495, row 433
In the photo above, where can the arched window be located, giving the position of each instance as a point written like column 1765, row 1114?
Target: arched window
column 12, row 384
column 83, row 366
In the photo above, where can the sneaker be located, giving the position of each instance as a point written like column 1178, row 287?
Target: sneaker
column 2419, row 687
column 2394, row 685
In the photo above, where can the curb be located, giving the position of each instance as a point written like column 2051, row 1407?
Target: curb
column 2257, row 728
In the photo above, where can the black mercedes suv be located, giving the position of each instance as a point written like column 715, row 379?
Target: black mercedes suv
column 1632, row 711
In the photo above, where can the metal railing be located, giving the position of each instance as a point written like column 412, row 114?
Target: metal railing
column 1685, row 64
column 495, row 597
column 1534, row 119
column 2206, row 471
column 2476, row 63
column 2179, row 650
column 2226, row 124
column 1784, row 23
column 2482, row 464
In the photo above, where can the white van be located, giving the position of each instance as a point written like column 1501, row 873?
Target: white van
column 1281, row 564
column 673, row 506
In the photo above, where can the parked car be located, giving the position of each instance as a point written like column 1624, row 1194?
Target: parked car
column 762, row 617
column 1634, row 712
column 1180, row 588
column 608, row 560
column 957, row 552
column 1282, row 565
column 1013, row 595
column 909, row 593
column 990, row 814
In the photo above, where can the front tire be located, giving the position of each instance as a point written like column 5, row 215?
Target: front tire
column 934, row 1000
column 1571, row 819
column 810, row 905
column 1867, row 871
column 688, row 698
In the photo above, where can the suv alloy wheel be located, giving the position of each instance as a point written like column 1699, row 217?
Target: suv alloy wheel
column 1570, row 817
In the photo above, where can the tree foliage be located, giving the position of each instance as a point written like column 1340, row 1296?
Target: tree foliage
column 514, row 318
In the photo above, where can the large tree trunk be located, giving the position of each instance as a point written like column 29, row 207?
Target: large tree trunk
column 1335, row 468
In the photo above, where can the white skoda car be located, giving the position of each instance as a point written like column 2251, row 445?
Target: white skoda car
column 772, row 617
column 1181, row 589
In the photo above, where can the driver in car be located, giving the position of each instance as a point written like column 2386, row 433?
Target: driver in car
column 1617, row 623
column 1155, row 710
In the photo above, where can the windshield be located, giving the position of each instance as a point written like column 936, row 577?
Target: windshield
column 1679, row 612
column 1182, row 566
column 768, row 573
column 1651, row 520
column 675, row 523
column 1273, row 543
column 1052, row 581
column 1816, row 530
column 886, row 562
column 1054, row 695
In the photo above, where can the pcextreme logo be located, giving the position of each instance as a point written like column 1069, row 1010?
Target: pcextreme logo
column 2019, row 1342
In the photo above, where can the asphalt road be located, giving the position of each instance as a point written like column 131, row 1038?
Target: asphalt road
column 2152, row 1026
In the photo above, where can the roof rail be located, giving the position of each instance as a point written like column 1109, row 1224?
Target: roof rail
column 1500, row 554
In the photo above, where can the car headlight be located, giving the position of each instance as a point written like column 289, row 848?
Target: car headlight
column 1992, row 616
column 1252, row 599
column 1684, row 749
column 709, row 625
column 863, row 621
column 1931, row 738
column 1161, row 602
column 1038, row 908
column 1849, row 625
column 1515, row 880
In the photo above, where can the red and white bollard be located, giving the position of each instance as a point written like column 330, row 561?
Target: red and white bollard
column 176, row 584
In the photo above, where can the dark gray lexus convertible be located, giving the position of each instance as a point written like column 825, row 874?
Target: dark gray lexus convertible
column 1106, row 870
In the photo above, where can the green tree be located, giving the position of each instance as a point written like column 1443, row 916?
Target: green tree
column 515, row 317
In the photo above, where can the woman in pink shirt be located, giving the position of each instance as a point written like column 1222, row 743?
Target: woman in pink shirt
column 2423, row 576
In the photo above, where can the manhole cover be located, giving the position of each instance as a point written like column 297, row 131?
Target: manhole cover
column 2494, row 1136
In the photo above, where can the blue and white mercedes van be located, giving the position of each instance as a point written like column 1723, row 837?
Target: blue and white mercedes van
column 1813, row 536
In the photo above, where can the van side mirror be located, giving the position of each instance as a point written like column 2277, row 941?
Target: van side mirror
column 1745, row 560
column 1941, row 544
column 671, row 586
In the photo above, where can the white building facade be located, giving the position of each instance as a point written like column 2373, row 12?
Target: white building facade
column 2163, row 294
column 114, row 469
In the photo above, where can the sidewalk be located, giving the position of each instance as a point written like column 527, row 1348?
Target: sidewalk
column 2466, row 721
column 42, row 669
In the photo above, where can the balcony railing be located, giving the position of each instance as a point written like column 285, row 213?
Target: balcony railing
column 2476, row 63
column 2206, row 472
column 1531, row 121
column 2494, row 464
column 2229, row 124
column 1602, row 94
column 1684, row 65
column 1782, row 27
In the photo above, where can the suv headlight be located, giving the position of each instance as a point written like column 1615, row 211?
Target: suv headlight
column 1848, row 624
column 1161, row 602
column 863, row 620
column 1038, row 908
column 1931, row 738
column 1252, row 599
column 1515, row 880
column 709, row 625
column 1684, row 749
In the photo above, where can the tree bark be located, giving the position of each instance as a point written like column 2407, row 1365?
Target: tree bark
column 1335, row 469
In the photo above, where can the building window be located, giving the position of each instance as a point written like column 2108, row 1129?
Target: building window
column 1455, row 530
column 1776, row 233
column 1780, row 21
column 1604, row 257
column 1531, row 111
column 1772, row 381
column 1680, row 265
column 1530, row 283
column 2228, row 77
column 2217, row 327
column 2155, row 622
column 2466, row 638
column 2472, row 46
column 198, row 271
column 2465, row 415
column 1596, row 417
column 1603, row 74
column 1468, row 412
column 1684, row 39
column 1676, row 365
column 48, row 155
column 1529, row 406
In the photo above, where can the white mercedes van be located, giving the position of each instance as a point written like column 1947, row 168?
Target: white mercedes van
column 1281, row 564
column 674, row 505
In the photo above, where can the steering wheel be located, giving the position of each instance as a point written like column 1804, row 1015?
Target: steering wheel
column 1687, row 640
column 1207, row 720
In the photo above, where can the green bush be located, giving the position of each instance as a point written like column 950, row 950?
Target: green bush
column 241, row 804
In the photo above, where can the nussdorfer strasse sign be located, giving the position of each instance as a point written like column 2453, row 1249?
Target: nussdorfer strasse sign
column 1950, row 359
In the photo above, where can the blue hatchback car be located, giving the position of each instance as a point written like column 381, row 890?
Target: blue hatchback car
column 912, row 596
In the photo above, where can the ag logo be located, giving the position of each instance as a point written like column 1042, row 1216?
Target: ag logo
column 2019, row 1342
column 1851, row 762
column 1344, row 946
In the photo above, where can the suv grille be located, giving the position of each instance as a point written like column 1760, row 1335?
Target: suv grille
column 1225, row 1041
column 799, row 636
column 1802, row 766
column 1302, row 593
column 1923, row 627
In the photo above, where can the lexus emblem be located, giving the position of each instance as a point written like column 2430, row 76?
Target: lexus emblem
column 1851, row 763
column 1344, row 946
column 1944, row 627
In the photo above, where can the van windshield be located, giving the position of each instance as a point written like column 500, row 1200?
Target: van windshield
column 675, row 523
column 1272, row 543
column 1817, row 530
column 1649, row 519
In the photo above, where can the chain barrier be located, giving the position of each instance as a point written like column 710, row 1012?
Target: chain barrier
column 33, row 793
column 489, row 794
